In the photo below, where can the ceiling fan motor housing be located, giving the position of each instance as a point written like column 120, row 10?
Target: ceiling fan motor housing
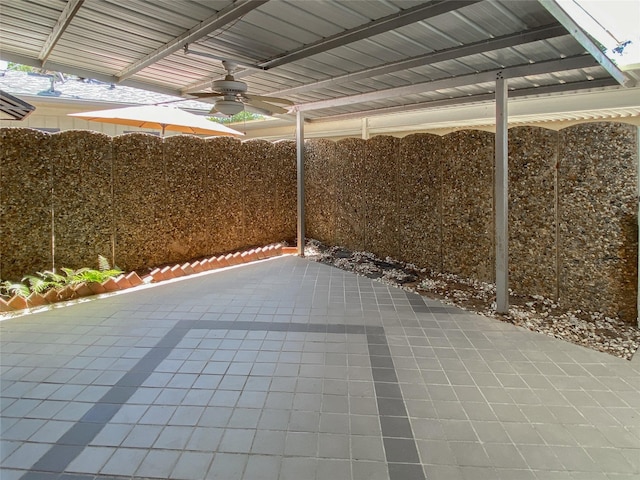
column 229, row 86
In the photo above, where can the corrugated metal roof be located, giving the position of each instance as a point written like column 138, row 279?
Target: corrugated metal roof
column 321, row 52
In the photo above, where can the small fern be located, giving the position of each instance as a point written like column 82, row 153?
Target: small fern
column 47, row 280
column 103, row 263
column 40, row 284
column 11, row 288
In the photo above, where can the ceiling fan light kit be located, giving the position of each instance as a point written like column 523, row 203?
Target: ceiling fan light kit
column 228, row 107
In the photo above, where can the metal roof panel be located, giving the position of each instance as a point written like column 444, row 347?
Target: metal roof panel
column 140, row 39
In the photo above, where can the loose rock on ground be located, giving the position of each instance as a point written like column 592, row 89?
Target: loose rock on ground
column 539, row 314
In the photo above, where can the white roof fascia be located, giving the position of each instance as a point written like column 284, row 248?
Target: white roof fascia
column 554, row 8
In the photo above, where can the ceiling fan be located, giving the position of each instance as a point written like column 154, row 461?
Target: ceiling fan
column 233, row 96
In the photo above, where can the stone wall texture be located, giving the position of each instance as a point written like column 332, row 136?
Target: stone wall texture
column 259, row 170
column 429, row 200
column 139, row 190
column 144, row 201
column 137, row 199
column 467, row 204
column 349, row 180
column 284, row 216
column 185, row 200
column 420, row 201
column 226, row 180
column 533, row 158
column 380, row 195
column 597, row 198
column 25, row 203
column 81, row 164
column 320, row 190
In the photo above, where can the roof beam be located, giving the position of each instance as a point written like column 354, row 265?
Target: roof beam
column 68, row 12
column 225, row 16
column 505, row 41
column 581, row 37
column 570, row 63
column 384, row 24
column 482, row 97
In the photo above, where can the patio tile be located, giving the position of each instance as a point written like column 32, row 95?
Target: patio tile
column 205, row 439
column 158, row 464
column 295, row 468
column 91, row 460
column 227, row 466
column 26, row 455
column 271, row 442
column 173, row 437
column 124, row 461
column 279, row 378
column 192, row 465
column 142, row 436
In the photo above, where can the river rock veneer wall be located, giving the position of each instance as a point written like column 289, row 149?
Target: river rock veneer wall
column 144, row 201
column 429, row 200
column 137, row 199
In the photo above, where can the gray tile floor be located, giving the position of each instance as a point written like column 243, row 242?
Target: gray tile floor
column 288, row 369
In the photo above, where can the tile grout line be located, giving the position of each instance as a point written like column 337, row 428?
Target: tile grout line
column 60, row 455
column 401, row 450
column 388, row 394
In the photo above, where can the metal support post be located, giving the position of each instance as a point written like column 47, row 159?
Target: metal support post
column 365, row 128
column 502, row 197
column 300, row 170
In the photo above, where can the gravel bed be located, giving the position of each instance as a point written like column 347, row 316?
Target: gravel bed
column 590, row 329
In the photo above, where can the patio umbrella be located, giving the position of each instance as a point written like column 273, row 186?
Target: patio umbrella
column 160, row 117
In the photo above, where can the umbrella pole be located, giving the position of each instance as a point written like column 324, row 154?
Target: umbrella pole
column 164, row 125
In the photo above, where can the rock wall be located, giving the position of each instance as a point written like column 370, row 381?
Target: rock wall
column 284, row 216
column 82, row 212
column 349, row 193
column 467, row 204
column 226, row 180
column 420, row 200
column 137, row 199
column 186, row 201
column 259, row 171
column 380, row 196
column 320, row 190
column 139, row 190
column 533, row 156
column 25, row 203
column 429, row 200
column 597, row 198
column 144, row 201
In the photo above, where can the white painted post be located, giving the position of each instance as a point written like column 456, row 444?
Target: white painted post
column 300, row 170
column 365, row 128
column 502, row 196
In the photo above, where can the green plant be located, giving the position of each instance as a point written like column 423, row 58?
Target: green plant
column 242, row 116
column 11, row 289
column 44, row 281
column 89, row 275
column 20, row 68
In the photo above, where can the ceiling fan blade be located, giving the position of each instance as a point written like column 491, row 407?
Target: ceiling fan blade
column 281, row 101
column 265, row 106
column 205, row 94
